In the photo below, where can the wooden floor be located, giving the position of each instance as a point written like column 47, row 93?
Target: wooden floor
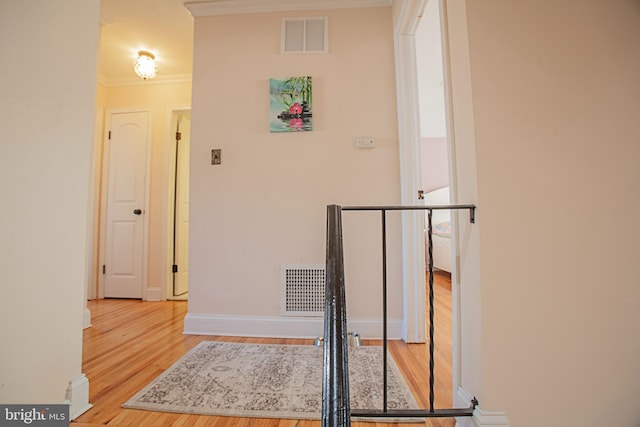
column 131, row 342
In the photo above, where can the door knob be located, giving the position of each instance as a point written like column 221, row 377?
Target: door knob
column 137, row 211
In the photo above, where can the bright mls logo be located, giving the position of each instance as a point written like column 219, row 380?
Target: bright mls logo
column 34, row 415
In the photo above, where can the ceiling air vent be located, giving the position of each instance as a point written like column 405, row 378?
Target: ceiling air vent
column 305, row 35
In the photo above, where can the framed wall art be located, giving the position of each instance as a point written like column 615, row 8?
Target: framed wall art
column 290, row 105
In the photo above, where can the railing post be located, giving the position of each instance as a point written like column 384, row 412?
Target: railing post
column 335, row 374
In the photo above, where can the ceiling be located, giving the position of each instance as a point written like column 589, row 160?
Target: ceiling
column 163, row 27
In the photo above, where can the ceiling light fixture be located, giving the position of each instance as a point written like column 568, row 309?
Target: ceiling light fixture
column 145, row 65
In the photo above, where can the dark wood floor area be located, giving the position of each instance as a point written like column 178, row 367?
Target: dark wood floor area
column 131, row 342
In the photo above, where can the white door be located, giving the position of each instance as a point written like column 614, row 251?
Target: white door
column 181, row 242
column 123, row 269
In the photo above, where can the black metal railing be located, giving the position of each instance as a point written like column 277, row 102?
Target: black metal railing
column 335, row 386
column 335, row 378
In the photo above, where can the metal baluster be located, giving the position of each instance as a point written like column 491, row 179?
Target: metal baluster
column 384, row 311
column 431, row 328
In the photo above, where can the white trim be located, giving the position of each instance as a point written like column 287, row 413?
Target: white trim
column 93, row 226
column 166, row 274
column 456, row 320
column 484, row 418
column 407, row 16
column 137, row 81
column 102, row 79
column 414, row 295
column 166, row 261
column 481, row 417
column 86, row 318
column 281, row 327
column 236, row 7
column 461, row 398
column 467, row 330
column 147, row 293
column 153, row 294
column 77, row 396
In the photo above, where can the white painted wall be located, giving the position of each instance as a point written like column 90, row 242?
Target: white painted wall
column 265, row 206
column 430, row 79
column 433, row 123
column 549, row 331
column 435, row 163
column 47, row 110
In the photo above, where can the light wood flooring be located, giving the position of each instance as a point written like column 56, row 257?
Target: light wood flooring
column 131, row 342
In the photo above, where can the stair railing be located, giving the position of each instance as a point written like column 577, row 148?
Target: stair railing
column 336, row 411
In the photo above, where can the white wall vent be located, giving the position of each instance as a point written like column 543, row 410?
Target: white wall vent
column 302, row 290
column 305, row 35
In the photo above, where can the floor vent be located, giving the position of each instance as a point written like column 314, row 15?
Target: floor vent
column 302, row 290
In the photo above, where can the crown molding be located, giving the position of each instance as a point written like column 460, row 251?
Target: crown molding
column 102, row 79
column 137, row 81
column 235, row 7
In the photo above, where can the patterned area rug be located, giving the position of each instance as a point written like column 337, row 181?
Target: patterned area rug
column 266, row 381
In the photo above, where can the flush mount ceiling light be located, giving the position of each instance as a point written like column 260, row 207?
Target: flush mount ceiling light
column 145, row 65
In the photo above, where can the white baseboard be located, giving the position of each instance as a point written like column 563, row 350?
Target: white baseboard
column 281, row 327
column 86, row 320
column 77, row 396
column 154, row 294
column 481, row 417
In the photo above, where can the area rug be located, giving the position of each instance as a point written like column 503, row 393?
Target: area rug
column 267, row 381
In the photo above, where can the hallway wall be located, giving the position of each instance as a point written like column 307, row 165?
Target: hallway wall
column 47, row 106
column 265, row 205
column 550, row 155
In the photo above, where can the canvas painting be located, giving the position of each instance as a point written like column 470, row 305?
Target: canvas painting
column 290, row 105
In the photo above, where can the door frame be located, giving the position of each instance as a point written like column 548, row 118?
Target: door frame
column 166, row 273
column 93, row 228
column 407, row 16
column 106, row 148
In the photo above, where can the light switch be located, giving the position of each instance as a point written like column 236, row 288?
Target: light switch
column 216, row 156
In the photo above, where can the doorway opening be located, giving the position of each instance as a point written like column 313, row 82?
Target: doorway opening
column 178, row 286
column 436, row 165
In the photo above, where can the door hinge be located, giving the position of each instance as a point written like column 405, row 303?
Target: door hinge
column 104, row 269
column 174, row 268
column 109, row 134
column 178, row 136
